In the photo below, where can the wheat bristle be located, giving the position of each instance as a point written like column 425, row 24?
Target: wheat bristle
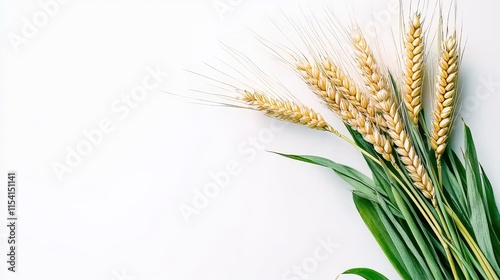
column 446, row 91
column 413, row 67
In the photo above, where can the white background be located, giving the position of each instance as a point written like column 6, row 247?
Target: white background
column 116, row 215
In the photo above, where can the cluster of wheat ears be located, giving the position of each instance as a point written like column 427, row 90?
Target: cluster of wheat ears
column 439, row 209
column 373, row 109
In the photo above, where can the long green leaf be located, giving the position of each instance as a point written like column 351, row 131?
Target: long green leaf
column 361, row 184
column 417, row 234
column 366, row 273
column 369, row 212
column 478, row 211
column 493, row 214
column 346, row 172
column 491, row 204
column 454, row 190
column 398, row 232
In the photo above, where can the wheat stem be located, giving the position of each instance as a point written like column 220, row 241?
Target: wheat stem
column 485, row 264
column 446, row 248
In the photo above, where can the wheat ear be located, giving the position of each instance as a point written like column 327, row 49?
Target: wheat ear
column 286, row 111
column 413, row 67
column 322, row 83
column 370, row 132
column 318, row 81
column 446, row 92
column 321, row 78
column 377, row 84
column 346, row 86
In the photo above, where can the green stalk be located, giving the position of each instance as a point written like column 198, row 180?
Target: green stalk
column 440, row 171
column 434, row 268
column 433, row 224
column 447, row 250
column 414, row 197
column 439, row 234
column 420, row 204
column 359, row 148
column 475, row 248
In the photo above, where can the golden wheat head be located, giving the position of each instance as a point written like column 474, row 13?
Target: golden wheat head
column 286, row 110
column 413, row 67
column 446, row 94
column 339, row 94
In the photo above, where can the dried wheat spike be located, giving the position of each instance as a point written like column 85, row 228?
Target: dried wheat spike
column 286, row 111
column 330, row 83
column 375, row 81
column 385, row 101
column 318, row 81
column 446, row 94
column 322, row 83
column 413, row 67
column 370, row 132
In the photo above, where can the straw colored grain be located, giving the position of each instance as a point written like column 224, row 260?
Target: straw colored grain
column 329, row 82
column 413, row 67
column 286, row 111
column 332, row 89
column 370, row 132
column 446, row 94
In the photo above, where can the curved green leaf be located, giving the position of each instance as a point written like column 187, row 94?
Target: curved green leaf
column 366, row 273
column 480, row 218
column 371, row 215
column 360, row 183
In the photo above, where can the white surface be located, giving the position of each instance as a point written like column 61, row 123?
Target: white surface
column 116, row 215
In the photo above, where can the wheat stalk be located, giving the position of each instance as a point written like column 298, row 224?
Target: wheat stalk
column 413, row 67
column 329, row 88
column 377, row 84
column 446, row 91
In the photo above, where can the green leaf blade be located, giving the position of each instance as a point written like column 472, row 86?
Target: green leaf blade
column 366, row 273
